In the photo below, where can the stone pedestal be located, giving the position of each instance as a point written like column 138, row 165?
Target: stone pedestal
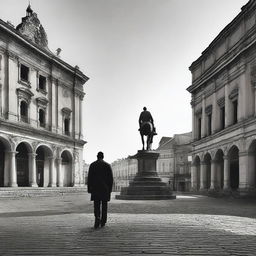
column 146, row 185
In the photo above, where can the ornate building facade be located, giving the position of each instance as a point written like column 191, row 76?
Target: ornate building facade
column 41, row 141
column 224, row 108
column 173, row 164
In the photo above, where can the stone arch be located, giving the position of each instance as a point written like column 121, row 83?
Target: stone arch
column 233, row 155
column 196, row 175
column 24, row 150
column 44, row 155
column 66, row 168
column 196, row 160
column 219, row 160
column 232, row 146
column 5, row 147
column 207, row 176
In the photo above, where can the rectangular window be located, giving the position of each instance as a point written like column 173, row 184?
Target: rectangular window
column 66, row 126
column 24, row 73
column 199, row 128
column 209, row 119
column 42, row 83
column 222, row 118
column 235, row 104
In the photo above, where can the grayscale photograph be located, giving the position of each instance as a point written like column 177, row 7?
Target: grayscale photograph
column 128, row 127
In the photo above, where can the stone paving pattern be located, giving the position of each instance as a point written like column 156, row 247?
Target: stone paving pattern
column 189, row 225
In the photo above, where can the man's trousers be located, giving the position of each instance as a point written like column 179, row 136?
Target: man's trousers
column 100, row 211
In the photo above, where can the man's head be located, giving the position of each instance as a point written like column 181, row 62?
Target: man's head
column 100, row 155
column 144, row 108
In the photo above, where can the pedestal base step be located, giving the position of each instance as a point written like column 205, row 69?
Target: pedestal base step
column 145, row 197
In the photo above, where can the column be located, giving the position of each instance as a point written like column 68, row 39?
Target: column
column 32, row 170
column 243, row 171
column 213, row 174
column 193, row 177
column 202, row 175
column 59, row 174
column 7, row 160
column 13, row 171
column 226, row 185
column 52, row 174
column 251, row 171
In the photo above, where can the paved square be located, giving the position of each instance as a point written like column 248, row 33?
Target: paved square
column 189, row 225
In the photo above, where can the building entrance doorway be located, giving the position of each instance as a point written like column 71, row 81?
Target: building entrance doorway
column 234, row 168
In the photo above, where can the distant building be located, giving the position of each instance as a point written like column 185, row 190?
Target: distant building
column 124, row 170
column 173, row 164
column 223, row 104
column 41, row 141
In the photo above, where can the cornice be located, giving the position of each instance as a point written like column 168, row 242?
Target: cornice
column 51, row 57
column 205, row 143
column 249, row 7
column 219, row 67
column 44, row 134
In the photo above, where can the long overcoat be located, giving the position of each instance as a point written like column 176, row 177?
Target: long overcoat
column 100, row 180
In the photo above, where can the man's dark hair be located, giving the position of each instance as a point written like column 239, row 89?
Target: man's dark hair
column 100, row 155
column 144, row 108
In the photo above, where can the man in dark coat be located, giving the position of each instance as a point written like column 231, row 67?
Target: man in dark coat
column 100, row 182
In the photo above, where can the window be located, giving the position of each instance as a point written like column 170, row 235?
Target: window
column 209, row 124
column 42, row 83
column 24, row 111
column 235, row 104
column 66, row 112
column 24, row 73
column 66, row 126
column 41, row 118
column 199, row 127
column 222, row 117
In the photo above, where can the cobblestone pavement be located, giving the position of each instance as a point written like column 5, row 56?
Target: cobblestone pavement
column 189, row 225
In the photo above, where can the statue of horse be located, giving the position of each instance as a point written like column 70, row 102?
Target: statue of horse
column 146, row 129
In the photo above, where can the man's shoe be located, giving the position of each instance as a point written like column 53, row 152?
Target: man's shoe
column 96, row 223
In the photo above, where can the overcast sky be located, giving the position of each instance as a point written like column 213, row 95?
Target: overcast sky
column 136, row 53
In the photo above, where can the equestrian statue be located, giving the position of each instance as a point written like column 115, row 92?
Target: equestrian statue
column 147, row 128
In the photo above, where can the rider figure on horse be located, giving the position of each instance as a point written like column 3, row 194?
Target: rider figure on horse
column 145, row 116
column 147, row 128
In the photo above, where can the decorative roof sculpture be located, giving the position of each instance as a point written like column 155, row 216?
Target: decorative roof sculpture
column 31, row 28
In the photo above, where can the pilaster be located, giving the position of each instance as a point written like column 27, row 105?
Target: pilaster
column 226, row 185
column 213, row 174
column 13, row 170
column 203, row 176
column 59, row 173
column 52, row 176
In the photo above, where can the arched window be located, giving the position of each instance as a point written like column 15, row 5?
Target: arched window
column 41, row 118
column 24, row 111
